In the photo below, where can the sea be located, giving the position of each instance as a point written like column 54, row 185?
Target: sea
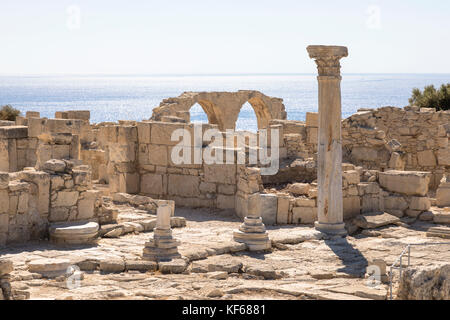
column 132, row 97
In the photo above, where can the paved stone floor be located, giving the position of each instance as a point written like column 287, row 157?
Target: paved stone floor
column 302, row 265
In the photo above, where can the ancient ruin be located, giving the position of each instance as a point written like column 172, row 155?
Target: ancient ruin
column 106, row 204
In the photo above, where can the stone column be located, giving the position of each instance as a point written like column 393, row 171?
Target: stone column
column 163, row 246
column 253, row 232
column 329, row 158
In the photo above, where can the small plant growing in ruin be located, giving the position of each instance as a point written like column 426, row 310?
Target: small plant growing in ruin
column 432, row 98
column 9, row 113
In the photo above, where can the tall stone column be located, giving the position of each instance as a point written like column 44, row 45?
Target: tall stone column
column 329, row 158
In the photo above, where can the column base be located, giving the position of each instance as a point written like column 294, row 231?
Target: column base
column 335, row 229
column 254, row 241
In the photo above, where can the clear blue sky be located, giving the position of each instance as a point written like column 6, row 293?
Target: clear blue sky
column 212, row 36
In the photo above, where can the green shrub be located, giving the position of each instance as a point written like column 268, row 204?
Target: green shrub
column 432, row 98
column 8, row 113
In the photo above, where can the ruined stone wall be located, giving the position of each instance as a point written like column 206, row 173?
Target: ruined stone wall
column 393, row 138
column 30, row 200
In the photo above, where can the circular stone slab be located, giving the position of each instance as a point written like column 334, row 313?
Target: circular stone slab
column 49, row 268
column 74, row 228
column 74, row 232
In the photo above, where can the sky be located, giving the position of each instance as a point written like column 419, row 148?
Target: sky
column 217, row 36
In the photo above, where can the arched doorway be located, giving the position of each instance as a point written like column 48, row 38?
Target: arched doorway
column 247, row 120
column 197, row 114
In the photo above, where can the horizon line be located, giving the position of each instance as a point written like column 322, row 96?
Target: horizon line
column 206, row 74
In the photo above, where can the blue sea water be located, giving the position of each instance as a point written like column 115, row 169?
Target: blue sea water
column 112, row 98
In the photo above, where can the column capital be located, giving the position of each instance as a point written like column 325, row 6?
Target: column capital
column 327, row 59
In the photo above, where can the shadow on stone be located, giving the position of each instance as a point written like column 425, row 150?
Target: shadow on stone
column 354, row 261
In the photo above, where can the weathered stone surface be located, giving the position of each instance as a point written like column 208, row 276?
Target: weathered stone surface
column 304, row 215
column 442, row 217
column 66, row 199
column 425, row 283
column 299, row 188
column 112, row 266
column 181, row 185
column 375, row 220
column 405, row 182
column 269, row 207
column 49, row 268
column 6, row 267
column 172, row 266
column 74, row 232
column 420, row 203
column 54, row 165
column 141, row 265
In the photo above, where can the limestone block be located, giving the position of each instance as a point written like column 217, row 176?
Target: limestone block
column 299, row 188
column 227, row 189
column 283, row 209
column 35, row 127
column 4, row 201
column 4, row 155
column 442, row 217
column 144, row 132
column 61, row 151
column 241, row 205
column 207, row 187
column 22, row 204
column 32, row 114
column 444, row 157
column 220, row 173
column 405, row 182
column 86, row 209
column 157, row 155
column 112, row 266
column 13, row 132
column 396, row 162
column 371, row 203
column 225, row 202
column 375, row 220
column 312, row 135
column 268, row 207
column 305, row 202
column 4, row 180
column 6, row 267
column 395, row 203
column 419, row 203
column 152, row 184
column 304, row 215
column 442, row 197
column 122, row 152
column 368, row 188
column 79, row 114
column 66, row 199
column 127, row 134
column 426, row 158
column 312, row 119
column 54, row 165
column 161, row 132
column 59, row 214
column 364, row 154
column 351, row 176
column 182, row 185
column 351, row 206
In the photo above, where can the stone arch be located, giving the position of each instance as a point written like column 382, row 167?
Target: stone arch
column 262, row 112
column 212, row 112
column 222, row 108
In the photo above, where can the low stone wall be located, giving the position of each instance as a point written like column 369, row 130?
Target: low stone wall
column 30, row 200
